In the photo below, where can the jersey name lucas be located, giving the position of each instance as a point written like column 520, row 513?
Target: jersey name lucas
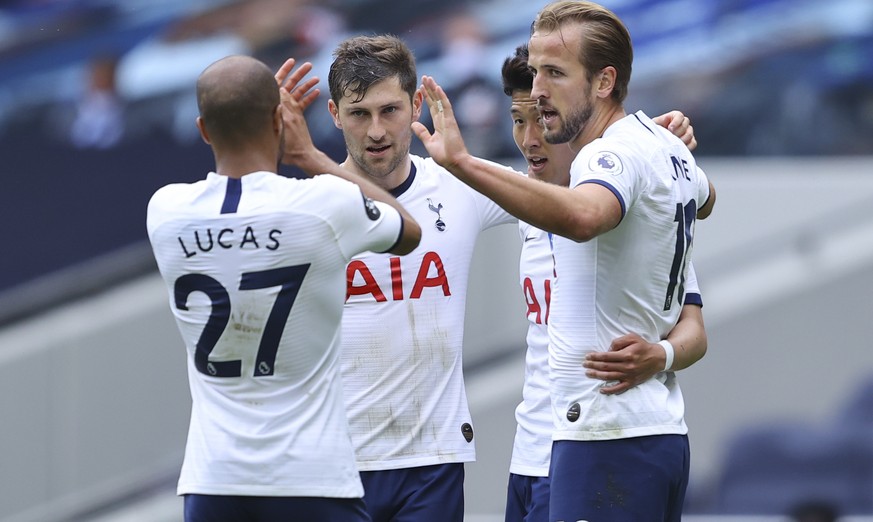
column 206, row 240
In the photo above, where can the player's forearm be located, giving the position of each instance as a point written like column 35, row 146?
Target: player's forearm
column 688, row 338
column 317, row 162
column 546, row 206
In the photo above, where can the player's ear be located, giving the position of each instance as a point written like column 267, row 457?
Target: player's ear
column 604, row 81
column 334, row 113
column 202, row 128
column 278, row 122
column 417, row 102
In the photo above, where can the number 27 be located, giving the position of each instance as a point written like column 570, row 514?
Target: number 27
column 288, row 278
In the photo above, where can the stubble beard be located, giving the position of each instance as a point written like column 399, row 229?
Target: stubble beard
column 571, row 127
column 377, row 171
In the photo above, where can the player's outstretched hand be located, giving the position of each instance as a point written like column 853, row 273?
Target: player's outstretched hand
column 289, row 78
column 629, row 361
column 295, row 98
column 445, row 145
column 679, row 125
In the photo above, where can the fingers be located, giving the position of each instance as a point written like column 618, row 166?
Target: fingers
column 614, row 382
column 679, row 125
column 436, row 101
column 309, row 97
column 420, row 131
column 435, row 97
column 620, row 343
column 305, row 93
column 289, row 80
column 297, row 75
column 616, row 389
column 283, row 71
column 689, row 139
column 611, row 357
column 678, row 122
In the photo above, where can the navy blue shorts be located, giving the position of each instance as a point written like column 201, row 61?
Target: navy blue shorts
column 527, row 499
column 640, row 479
column 423, row 494
column 232, row 508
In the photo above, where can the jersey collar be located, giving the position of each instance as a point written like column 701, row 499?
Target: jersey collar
column 403, row 187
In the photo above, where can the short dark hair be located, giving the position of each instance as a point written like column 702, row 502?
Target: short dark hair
column 516, row 73
column 362, row 61
column 237, row 97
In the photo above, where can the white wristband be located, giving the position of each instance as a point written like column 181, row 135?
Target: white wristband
column 668, row 349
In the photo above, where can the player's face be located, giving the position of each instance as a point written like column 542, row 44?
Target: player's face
column 377, row 130
column 565, row 96
column 545, row 161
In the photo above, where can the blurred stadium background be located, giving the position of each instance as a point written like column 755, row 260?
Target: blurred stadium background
column 97, row 111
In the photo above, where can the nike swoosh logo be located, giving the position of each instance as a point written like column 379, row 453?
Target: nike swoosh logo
column 528, row 238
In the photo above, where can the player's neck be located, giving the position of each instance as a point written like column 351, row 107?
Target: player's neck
column 597, row 125
column 389, row 181
column 238, row 165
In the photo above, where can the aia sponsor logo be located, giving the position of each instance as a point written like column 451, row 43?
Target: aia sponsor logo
column 430, row 273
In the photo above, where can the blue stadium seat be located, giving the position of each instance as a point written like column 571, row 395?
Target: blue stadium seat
column 771, row 469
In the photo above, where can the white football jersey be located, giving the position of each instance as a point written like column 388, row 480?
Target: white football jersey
column 533, row 435
column 532, row 448
column 630, row 279
column 255, row 269
column 403, row 327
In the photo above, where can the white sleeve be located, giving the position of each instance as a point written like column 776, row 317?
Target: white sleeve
column 490, row 212
column 692, row 291
column 702, row 187
column 611, row 166
column 362, row 224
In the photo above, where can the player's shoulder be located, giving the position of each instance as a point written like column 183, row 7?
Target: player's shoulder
column 625, row 145
column 429, row 172
column 426, row 168
column 172, row 195
column 432, row 178
column 329, row 197
column 604, row 156
column 167, row 202
column 324, row 189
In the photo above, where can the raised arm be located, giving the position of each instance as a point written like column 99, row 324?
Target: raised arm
column 579, row 214
column 299, row 150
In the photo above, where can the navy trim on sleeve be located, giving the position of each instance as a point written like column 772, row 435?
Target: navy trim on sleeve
column 693, row 299
column 399, row 237
column 611, row 189
column 705, row 202
column 231, row 196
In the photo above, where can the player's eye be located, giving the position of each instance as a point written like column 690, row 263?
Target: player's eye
column 390, row 110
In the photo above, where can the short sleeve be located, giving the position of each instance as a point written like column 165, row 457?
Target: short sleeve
column 360, row 223
column 692, row 291
column 702, row 188
column 607, row 165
